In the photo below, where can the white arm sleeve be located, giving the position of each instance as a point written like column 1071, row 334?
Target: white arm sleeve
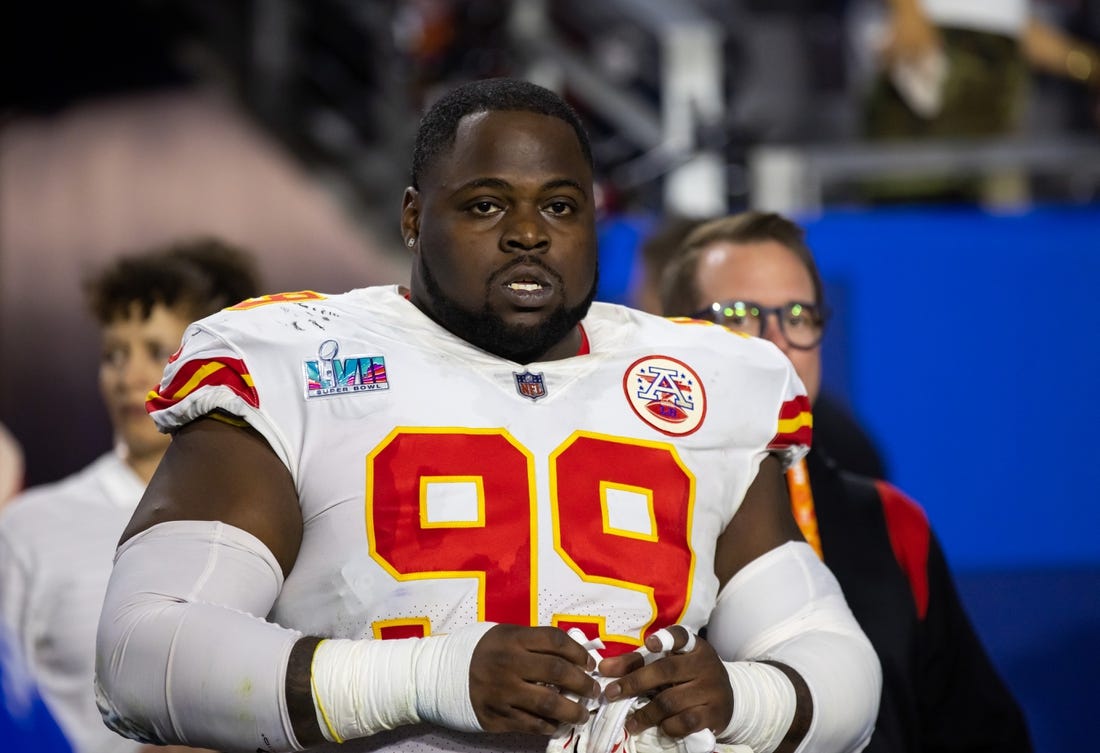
column 788, row 607
column 180, row 658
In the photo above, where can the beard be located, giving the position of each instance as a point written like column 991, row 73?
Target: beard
column 487, row 330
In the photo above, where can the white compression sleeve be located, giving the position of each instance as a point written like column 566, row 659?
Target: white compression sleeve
column 787, row 606
column 180, row 656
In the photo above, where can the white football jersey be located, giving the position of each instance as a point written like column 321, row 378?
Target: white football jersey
column 442, row 485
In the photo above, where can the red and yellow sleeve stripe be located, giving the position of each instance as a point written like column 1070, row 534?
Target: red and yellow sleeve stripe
column 796, row 424
column 227, row 372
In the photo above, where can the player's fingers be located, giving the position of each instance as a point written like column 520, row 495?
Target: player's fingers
column 562, row 675
column 700, row 668
column 518, row 673
column 536, row 709
column 670, row 715
column 690, row 692
column 552, row 640
column 674, row 638
column 680, row 727
column 647, row 680
column 537, row 654
column 514, row 704
column 623, row 664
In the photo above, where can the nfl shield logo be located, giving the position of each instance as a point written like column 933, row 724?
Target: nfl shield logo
column 530, row 385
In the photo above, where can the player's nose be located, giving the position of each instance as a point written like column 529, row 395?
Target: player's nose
column 525, row 230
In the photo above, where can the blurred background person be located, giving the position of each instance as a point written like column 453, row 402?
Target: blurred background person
column 11, row 465
column 655, row 250
column 122, row 130
column 25, row 722
column 960, row 69
column 754, row 273
column 57, row 541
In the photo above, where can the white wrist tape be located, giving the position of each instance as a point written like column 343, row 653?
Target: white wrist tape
column 786, row 606
column 361, row 687
column 178, row 641
column 763, row 706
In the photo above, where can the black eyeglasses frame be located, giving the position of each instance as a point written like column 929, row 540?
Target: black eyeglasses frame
column 818, row 313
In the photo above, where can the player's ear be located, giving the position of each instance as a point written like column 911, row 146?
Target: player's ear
column 410, row 217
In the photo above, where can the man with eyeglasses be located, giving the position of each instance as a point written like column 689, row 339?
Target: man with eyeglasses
column 753, row 273
column 834, row 426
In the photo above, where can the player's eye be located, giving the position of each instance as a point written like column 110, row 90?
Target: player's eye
column 484, row 207
column 559, row 208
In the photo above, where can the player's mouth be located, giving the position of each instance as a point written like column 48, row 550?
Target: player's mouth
column 527, row 286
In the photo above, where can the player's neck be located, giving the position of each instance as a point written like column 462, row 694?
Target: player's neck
column 575, row 343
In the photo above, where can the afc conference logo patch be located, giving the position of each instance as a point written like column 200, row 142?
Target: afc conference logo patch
column 666, row 394
column 530, row 385
column 330, row 375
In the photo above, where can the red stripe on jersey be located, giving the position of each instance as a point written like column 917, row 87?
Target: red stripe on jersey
column 228, row 372
column 794, row 407
column 585, row 348
column 796, row 424
column 909, row 536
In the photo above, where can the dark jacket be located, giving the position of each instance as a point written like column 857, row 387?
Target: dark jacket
column 941, row 692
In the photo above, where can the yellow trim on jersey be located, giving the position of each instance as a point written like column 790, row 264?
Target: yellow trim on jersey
column 647, row 591
column 479, row 485
column 639, row 490
column 706, row 323
column 479, row 575
column 601, row 627
column 377, row 626
column 296, row 296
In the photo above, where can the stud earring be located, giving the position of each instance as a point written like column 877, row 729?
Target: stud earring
column 410, row 242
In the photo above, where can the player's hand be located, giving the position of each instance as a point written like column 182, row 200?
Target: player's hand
column 691, row 690
column 519, row 675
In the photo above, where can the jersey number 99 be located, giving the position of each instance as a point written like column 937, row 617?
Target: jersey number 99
column 494, row 539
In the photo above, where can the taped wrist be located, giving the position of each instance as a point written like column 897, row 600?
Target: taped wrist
column 763, row 706
column 361, row 687
column 786, row 606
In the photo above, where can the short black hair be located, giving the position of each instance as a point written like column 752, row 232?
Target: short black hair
column 439, row 125
column 198, row 276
